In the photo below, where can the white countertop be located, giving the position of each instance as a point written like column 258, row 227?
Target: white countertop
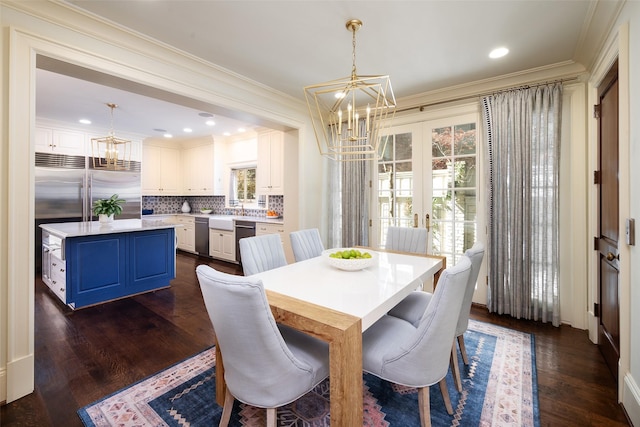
column 233, row 217
column 90, row 228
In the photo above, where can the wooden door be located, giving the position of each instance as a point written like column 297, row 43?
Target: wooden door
column 608, row 283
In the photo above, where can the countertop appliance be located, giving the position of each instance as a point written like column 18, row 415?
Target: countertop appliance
column 243, row 229
column 66, row 187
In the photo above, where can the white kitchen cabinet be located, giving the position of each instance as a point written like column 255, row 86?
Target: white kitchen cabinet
column 198, row 170
column 187, row 233
column 263, row 228
column 58, row 141
column 269, row 175
column 160, row 171
column 222, row 244
column 54, row 272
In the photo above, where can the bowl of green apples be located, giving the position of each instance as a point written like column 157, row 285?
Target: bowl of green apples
column 349, row 259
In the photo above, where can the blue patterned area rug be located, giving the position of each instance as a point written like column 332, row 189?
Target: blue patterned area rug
column 499, row 389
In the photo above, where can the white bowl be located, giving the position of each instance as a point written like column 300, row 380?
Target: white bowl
column 350, row 264
column 206, row 211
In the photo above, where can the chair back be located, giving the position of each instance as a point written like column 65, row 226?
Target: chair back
column 306, row 244
column 423, row 359
column 407, row 239
column 259, row 367
column 261, row 253
column 475, row 255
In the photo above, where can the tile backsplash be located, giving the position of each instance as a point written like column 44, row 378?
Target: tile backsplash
column 163, row 205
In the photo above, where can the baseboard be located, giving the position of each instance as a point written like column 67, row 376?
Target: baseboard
column 592, row 322
column 631, row 399
column 3, row 386
column 20, row 378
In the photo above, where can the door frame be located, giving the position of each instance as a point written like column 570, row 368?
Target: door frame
column 618, row 48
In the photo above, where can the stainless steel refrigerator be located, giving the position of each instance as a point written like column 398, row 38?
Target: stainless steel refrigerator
column 65, row 190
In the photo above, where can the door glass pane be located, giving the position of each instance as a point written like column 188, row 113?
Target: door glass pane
column 442, row 205
column 465, row 139
column 441, row 142
column 386, row 148
column 403, row 146
column 465, row 168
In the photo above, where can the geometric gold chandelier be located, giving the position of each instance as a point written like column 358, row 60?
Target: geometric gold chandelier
column 111, row 152
column 349, row 114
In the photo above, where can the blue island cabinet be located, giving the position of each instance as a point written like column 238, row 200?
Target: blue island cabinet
column 105, row 267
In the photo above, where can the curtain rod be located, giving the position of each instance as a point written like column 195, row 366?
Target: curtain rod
column 480, row 95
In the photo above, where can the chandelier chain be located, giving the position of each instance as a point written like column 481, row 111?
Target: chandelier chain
column 353, row 55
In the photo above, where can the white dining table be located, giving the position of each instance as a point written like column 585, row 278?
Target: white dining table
column 337, row 306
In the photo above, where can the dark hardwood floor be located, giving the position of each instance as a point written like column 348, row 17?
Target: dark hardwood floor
column 85, row 355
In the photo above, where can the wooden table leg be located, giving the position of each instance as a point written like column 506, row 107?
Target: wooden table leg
column 345, row 358
column 221, row 386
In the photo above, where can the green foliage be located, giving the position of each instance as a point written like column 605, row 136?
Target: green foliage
column 110, row 206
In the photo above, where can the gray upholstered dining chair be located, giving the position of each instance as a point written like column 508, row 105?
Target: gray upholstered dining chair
column 418, row 356
column 265, row 364
column 407, row 239
column 412, row 307
column 306, row 244
column 261, row 253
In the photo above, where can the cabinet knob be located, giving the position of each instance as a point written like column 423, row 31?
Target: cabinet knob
column 54, row 264
column 62, row 270
column 54, row 281
column 61, row 289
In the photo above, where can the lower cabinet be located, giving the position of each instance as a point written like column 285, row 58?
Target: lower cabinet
column 187, row 233
column 111, row 266
column 222, row 244
column 54, row 272
column 268, row 228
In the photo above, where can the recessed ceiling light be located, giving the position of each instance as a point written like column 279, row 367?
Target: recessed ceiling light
column 205, row 114
column 187, row 130
column 227, row 134
column 498, row 52
column 160, row 130
column 210, row 123
column 85, row 121
column 168, row 135
column 241, row 130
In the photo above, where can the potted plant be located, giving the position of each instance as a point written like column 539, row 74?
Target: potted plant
column 107, row 208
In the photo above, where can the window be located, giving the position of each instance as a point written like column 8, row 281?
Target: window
column 242, row 186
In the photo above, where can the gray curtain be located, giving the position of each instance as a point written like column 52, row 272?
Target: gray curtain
column 523, row 135
column 348, row 202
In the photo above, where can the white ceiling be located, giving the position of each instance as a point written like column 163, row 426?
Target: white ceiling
column 423, row 45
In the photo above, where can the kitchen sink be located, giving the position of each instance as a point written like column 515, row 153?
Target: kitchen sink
column 221, row 222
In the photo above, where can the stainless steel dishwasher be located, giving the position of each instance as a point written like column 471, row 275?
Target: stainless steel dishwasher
column 243, row 229
column 202, row 235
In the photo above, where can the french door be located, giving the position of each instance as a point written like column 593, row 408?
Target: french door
column 428, row 177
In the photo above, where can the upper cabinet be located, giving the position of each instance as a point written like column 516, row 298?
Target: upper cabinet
column 161, row 171
column 271, row 154
column 198, row 170
column 60, row 138
column 58, row 141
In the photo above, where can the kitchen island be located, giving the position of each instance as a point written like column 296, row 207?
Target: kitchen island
column 87, row 263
